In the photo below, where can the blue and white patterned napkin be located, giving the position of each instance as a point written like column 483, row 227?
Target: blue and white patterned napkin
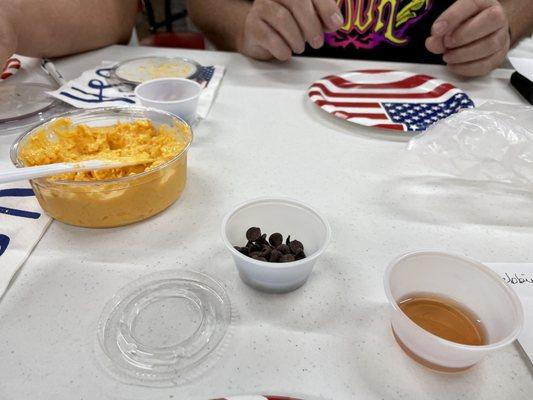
column 22, row 224
column 94, row 88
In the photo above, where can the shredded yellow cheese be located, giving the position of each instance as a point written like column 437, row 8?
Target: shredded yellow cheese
column 139, row 140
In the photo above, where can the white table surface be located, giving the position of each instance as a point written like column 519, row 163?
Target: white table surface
column 331, row 338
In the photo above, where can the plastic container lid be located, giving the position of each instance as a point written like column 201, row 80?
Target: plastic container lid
column 22, row 100
column 164, row 329
column 26, row 104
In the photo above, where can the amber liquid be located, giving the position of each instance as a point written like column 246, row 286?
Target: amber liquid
column 445, row 318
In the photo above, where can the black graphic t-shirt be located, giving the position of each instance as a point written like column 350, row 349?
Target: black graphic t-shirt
column 393, row 30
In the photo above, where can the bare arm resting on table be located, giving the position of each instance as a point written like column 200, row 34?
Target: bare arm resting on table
column 474, row 38
column 59, row 27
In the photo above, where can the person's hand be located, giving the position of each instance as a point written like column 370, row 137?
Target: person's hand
column 472, row 35
column 278, row 28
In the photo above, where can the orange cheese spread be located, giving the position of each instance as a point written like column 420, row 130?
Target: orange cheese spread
column 98, row 198
column 139, row 141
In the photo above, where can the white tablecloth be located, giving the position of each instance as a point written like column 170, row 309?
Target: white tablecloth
column 331, row 338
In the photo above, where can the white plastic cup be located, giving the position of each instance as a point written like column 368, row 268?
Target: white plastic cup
column 465, row 281
column 288, row 217
column 178, row 96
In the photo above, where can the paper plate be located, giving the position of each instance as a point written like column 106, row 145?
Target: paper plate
column 388, row 99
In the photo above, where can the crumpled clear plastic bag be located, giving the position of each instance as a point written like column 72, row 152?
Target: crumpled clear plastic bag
column 493, row 142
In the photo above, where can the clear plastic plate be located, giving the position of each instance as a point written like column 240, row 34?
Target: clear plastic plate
column 164, row 329
column 26, row 104
column 22, row 100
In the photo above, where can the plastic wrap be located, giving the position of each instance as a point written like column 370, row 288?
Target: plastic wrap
column 492, row 143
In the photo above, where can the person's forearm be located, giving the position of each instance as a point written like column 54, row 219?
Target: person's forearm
column 221, row 21
column 58, row 27
column 8, row 40
column 520, row 16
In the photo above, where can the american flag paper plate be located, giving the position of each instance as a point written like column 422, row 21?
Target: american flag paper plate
column 388, row 99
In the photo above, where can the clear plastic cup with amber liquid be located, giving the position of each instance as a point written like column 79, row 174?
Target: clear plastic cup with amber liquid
column 448, row 311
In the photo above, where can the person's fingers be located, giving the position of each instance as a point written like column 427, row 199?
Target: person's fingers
column 486, row 22
column 479, row 67
column 308, row 21
column 457, row 13
column 479, row 49
column 329, row 14
column 435, row 44
column 282, row 20
column 254, row 50
column 266, row 37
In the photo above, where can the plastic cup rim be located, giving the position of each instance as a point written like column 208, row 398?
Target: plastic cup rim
column 266, row 264
column 482, row 268
column 151, row 81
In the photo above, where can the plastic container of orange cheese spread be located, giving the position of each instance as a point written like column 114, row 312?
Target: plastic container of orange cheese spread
column 116, row 197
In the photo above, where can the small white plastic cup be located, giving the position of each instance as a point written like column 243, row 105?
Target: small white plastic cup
column 178, row 96
column 288, row 217
column 465, row 281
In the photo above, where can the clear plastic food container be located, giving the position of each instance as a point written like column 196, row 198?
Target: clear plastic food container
column 114, row 202
column 466, row 282
column 276, row 215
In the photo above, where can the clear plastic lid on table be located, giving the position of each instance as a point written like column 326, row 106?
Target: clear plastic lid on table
column 164, row 329
column 24, row 105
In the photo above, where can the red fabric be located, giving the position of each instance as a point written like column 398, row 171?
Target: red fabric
column 183, row 40
column 11, row 67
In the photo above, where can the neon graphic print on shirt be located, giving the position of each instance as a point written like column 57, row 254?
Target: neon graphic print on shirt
column 367, row 23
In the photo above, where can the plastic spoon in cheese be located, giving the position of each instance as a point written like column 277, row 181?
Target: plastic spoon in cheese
column 39, row 171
